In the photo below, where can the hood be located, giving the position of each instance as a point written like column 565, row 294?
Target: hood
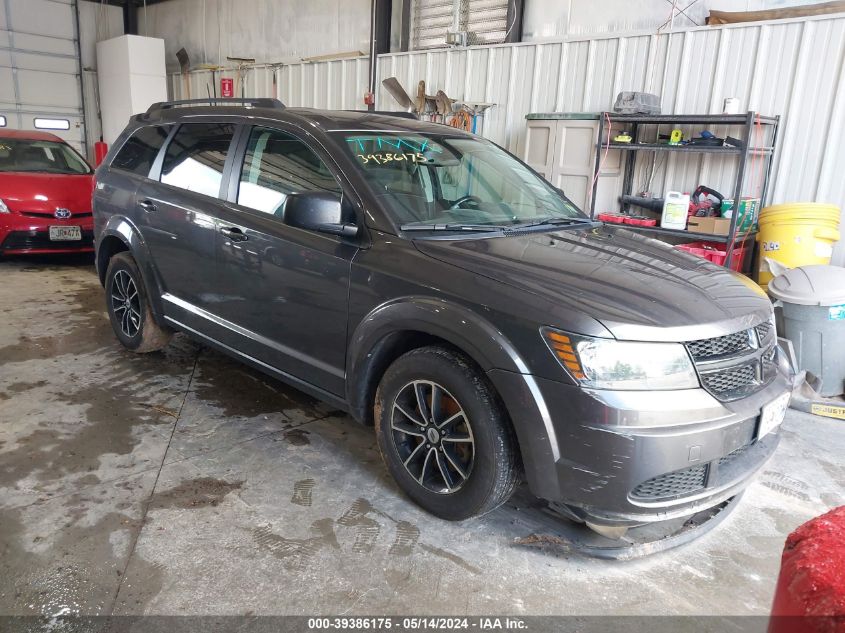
column 44, row 192
column 638, row 288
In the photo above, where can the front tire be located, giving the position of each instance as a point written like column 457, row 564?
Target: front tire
column 444, row 436
column 128, row 305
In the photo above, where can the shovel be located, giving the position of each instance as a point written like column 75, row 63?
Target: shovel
column 392, row 85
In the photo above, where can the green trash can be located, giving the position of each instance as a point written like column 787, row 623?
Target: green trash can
column 813, row 305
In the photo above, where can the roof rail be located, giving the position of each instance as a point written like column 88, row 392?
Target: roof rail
column 259, row 102
column 400, row 113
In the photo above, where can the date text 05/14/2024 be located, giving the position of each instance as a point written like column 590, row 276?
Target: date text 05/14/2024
column 417, row 623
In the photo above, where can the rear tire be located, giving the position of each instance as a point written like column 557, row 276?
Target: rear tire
column 128, row 305
column 444, row 435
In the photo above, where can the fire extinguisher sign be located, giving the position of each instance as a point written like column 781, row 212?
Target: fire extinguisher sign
column 227, row 87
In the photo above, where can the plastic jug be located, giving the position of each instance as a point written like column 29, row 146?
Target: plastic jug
column 675, row 210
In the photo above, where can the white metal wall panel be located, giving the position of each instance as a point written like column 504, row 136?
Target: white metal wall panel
column 337, row 84
column 792, row 68
column 39, row 66
column 268, row 31
column 557, row 19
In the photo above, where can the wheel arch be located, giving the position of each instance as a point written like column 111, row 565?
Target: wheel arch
column 120, row 235
column 395, row 328
column 109, row 246
column 392, row 329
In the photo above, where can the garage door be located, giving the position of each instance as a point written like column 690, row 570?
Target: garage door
column 39, row 68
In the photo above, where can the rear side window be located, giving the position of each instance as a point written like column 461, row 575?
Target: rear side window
column 195, row 157
column 139, row 152
column 276, row 165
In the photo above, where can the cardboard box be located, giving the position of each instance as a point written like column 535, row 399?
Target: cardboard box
column 749, row 209
column 714, row 226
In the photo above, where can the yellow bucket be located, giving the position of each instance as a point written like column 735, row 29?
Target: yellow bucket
column 796, row 234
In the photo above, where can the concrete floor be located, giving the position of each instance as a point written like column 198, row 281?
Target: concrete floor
column 183, row 483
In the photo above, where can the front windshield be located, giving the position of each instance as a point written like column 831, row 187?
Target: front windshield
column 441, row 179
column 47, row 157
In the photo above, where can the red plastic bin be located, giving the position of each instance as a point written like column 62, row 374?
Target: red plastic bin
column 639, row 220
column 716, row 253
column 612, row 218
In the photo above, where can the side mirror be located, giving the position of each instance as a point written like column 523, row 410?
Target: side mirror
column 317, row 211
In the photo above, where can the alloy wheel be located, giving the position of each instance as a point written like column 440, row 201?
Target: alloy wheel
column 433, row 436
column 126, row 303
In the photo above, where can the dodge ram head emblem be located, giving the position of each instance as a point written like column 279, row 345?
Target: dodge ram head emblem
column 62, row 214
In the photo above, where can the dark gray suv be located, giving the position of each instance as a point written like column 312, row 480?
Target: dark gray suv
column 429, row 283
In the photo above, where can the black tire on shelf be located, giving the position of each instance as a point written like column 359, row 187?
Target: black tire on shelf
column 128, row 306
column 463, row 460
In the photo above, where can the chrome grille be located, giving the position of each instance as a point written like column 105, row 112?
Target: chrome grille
column 52, row 214
column 680, row 482
column 708, row 348
column 726, row 381
column 769, row 360
column 737, row 364
column 763, row 331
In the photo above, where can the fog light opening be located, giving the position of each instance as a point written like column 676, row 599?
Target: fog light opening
column 614, row 532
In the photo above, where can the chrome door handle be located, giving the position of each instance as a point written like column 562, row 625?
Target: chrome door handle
column 147, row 205
column 234, row 233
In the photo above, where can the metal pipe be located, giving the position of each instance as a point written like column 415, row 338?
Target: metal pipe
column 381, row 14
column 77, row 38
column 405, row 42
column 373, row 55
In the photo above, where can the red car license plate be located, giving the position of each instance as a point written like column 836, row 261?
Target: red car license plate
column 65, row 233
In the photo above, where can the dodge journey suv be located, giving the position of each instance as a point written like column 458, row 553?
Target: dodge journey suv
column 430, row 284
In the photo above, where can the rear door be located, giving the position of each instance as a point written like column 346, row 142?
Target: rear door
column 131, row 165
column 285, row 288
column 176, row 214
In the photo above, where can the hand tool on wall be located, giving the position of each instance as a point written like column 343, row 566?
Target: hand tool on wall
column 240, row 77
column 392, row 85
column 184, row 67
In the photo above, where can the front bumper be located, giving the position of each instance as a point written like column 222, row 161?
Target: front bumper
column 628, row 458
column 26, row 235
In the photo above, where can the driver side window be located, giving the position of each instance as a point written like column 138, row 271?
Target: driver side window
column 276, row 165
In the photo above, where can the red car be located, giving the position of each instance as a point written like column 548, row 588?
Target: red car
column 45, row 195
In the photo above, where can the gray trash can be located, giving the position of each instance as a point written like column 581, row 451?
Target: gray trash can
column 813, row 299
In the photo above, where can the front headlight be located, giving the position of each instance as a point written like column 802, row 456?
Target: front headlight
column 601, row 363
column 3, row 207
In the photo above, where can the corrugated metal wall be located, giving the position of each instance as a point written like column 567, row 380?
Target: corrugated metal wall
column 792, row 68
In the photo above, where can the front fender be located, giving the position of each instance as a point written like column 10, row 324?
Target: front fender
column 454, row 323
column 123, row 229
column 485, row 344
